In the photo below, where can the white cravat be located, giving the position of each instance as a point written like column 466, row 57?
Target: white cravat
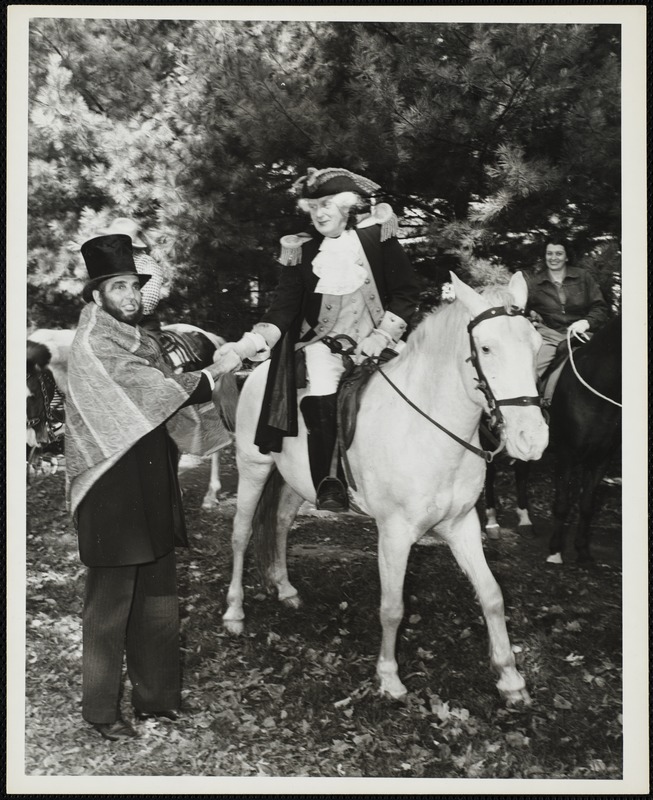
column 338, row 266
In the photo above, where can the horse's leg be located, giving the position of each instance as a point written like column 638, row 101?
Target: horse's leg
column 589, row 484
column 561, row 507
column 522, row 471
column 211, row 497
column 464, row 539
column 394, row 547
column 289, row 504
column 492, row 527
column 250, row 485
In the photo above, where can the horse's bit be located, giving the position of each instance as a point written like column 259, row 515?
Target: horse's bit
column 483, row 385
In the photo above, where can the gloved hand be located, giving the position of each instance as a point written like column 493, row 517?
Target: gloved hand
column 225, row 359
column 579, row 329
column 535, row 318
column 374, row 344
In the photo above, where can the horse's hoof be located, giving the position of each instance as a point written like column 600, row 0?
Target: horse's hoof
column 294, row 601
column 554, row 558
column 493, row 531
column 393, row 687
column 234, row 626
column 517, row 697
column 526, row 530
column 209, row 505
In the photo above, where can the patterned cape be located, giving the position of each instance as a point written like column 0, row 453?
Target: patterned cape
column 115, row 397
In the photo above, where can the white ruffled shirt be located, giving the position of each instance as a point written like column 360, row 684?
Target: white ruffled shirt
column 338, row 265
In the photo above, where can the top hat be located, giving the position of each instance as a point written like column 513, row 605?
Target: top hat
column 107, row 257
column 333, row 180
column 131, row 229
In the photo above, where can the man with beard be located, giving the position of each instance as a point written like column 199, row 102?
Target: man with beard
column 126, row 414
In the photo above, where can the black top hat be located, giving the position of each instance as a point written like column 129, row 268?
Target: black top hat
column 107, row 257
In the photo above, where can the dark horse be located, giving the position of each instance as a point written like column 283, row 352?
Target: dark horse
column 584, row 436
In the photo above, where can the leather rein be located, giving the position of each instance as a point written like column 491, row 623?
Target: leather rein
column 496, row 417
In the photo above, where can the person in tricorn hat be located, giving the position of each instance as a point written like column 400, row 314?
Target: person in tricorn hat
column 348, row 276
column 124, row 409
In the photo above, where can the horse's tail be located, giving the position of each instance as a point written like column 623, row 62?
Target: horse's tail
column 264, row 523
column 228, row 399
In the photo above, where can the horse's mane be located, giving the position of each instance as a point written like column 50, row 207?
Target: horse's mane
column 441, row 326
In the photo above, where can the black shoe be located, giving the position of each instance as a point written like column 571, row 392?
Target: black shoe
column 115, row 731
column 331, row 496
column 142, row 716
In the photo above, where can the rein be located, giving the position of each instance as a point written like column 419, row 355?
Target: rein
column 483, row 385
column 585, row 384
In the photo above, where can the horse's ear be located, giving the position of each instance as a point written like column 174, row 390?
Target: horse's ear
column 472, row 300
column 519, row 290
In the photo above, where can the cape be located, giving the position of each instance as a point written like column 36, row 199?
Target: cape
column 120, row 389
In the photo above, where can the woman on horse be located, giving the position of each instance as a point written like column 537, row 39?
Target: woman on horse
column 563, row 298
column 347, row 277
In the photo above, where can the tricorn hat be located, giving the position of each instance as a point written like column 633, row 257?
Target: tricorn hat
column 132, row 229
column 333, row 180
column 107, row 257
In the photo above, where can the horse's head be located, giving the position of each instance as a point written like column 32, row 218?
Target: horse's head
column 504, row 345
column 40, row 390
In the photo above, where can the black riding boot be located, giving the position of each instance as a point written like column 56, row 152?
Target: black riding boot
column 320, row 417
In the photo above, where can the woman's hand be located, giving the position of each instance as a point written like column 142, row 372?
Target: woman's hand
column 579, row 329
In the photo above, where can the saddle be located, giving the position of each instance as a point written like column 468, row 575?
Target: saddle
column 350, row 392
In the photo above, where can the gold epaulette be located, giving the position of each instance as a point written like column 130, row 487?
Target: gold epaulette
column 383, row 214
column 291, row 248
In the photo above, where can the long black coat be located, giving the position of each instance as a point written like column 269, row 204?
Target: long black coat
column 133, row 513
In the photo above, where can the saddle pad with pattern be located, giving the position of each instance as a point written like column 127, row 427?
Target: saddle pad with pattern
column 182, row 350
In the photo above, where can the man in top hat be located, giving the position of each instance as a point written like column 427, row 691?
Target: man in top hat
column 124, row 409
column 145, row 264
column 348, row 276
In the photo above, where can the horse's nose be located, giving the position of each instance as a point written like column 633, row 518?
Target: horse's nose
column 531, row 439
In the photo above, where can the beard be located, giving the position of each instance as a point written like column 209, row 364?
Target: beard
column 117, row 312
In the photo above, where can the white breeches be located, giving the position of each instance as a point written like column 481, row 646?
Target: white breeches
column 323, row 369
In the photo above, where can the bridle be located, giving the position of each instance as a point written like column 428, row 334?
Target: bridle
column 496, row 417
column 52, row 426
column 497, row 420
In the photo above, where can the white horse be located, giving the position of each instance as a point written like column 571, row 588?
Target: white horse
column 57, row 344
column 410, row 475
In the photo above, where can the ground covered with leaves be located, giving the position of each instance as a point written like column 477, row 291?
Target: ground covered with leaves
column 296, row 694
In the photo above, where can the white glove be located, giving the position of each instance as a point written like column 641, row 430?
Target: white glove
column 225, row 359
column 374, row 344
column 579, row 329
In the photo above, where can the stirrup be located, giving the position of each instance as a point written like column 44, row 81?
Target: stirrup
column 331, row 495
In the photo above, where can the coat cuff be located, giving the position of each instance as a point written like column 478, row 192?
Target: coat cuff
column 268, row 332
column 393, row 325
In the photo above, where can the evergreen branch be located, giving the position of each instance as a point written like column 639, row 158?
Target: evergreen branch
column 284, row 112
column 388, row 33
